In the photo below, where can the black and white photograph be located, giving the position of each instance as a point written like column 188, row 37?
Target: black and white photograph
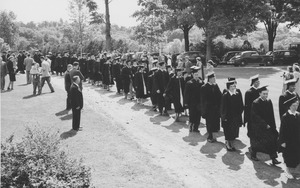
column 150, row 93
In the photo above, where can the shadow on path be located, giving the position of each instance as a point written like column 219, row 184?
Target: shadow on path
column 194, row 138
column 233, row 159
column 29, row 96
column 68, row 134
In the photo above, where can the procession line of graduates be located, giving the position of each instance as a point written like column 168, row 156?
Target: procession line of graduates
column 189, row 91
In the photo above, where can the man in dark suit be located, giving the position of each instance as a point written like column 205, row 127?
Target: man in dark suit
column 76, row 72
column 68, row 83
column 76, row 102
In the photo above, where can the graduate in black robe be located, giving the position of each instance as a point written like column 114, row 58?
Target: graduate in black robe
column 250, row 95
column 210, row 104
column 160, row 82
column 59, row 65
column 140, row 79
column 90, row 67
column 192, row 98
column 97, row 73
column 107, row 74
column 289, row 137
column 126, row 75
column 288, row 94
column 231, row 113
column 83, row 66
column 150, row 88
column 175, row 91
column 116, row 72
column 265, row 135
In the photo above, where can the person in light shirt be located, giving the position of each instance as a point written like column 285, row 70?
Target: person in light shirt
column 46, row 75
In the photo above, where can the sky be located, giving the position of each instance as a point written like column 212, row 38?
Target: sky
column 53, row 10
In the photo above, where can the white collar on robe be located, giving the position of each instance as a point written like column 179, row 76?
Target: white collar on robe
column 232, row 93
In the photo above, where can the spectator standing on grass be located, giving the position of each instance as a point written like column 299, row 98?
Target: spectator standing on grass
column 28, row 62
column 76, row 102
column 12, row 67
column 4, row 72
column 289, row 137
column 46, row 75
column 265, row 136
column 36, row 78
column 68, row 83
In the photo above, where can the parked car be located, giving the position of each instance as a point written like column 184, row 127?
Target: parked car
column 228, row 56
column 245, row 58
column 280, row 57
column 192, row 55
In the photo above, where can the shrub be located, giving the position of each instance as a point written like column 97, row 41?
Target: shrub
column 38, row 161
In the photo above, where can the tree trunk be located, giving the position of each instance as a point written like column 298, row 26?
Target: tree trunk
column 208, row 47
column 186, row 29
column 271, row 28
column 107, row 28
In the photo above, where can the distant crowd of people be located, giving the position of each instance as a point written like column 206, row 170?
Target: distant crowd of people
column 184, row 85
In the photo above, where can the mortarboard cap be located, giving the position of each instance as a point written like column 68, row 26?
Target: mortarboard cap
column 263, row 88
column 231, row 79
column 254, row 79
column 195, row 69
column 161, row 63
column 290, row 101
column 154, row 69
column 210, row 75
column 229, row 83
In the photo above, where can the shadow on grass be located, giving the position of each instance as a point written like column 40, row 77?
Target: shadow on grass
column 68, row 134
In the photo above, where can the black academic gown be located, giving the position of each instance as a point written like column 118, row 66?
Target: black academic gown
column 126, row 77
column 232, row 108
column 116, row 72
column 210, row 104
column 175, row 91
column 97, row 73
column 150, row 88
column 107, row 74
column 250, row 96
column 160, row 81
column 290, row 135
column 140, row 79
column 83, row 66
column 263, row 139
column 192, row 99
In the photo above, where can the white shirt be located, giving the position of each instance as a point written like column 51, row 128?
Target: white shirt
column 46, row 69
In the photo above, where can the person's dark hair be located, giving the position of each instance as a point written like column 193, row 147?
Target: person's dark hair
column 75, row 63
column 297, row 69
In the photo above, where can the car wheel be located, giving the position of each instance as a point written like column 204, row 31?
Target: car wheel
column 243, row 63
